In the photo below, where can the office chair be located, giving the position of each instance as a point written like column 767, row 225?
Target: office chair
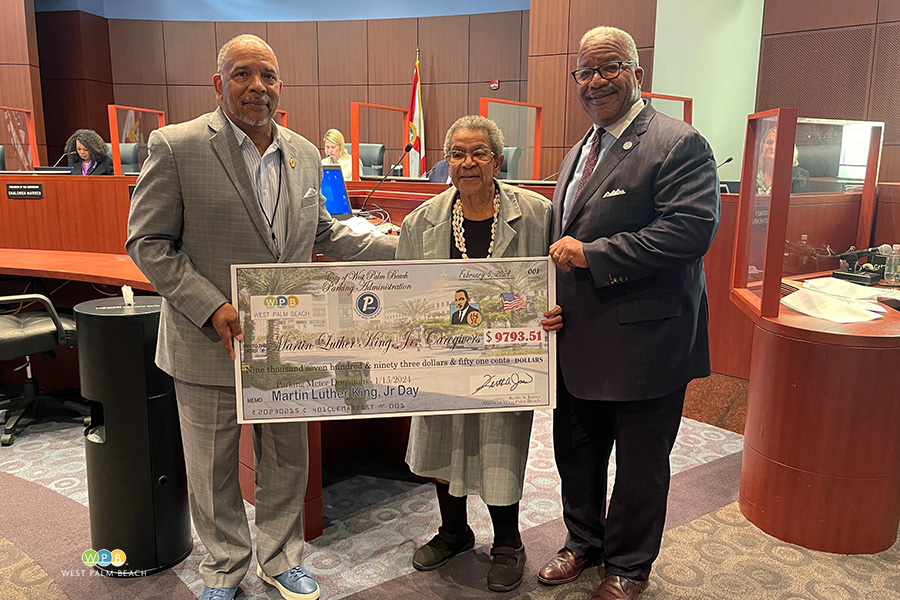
column 130, row 155
column 372, row 157
column 510, row 167
column 25, row 334
column 2, row 158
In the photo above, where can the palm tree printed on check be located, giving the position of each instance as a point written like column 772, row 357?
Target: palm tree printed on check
column 266, row 282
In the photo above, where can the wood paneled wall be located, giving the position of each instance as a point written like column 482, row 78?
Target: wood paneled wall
column 168, row 65
column 20, row 65
column 835, row 60
column 556, row 28
column 76, row 78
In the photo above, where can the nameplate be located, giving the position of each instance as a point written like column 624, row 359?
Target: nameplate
column 29, row 191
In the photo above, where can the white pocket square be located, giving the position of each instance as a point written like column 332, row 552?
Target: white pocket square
column 310, row 192
column 618, row 192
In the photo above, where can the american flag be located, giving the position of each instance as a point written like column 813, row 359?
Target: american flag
column 512, row 302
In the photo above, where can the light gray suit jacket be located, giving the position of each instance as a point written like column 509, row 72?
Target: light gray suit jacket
column 194, row 214
column 523, row 229
column 636, row 318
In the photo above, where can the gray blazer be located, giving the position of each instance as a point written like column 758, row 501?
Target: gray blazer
column 636, row 318
column 523, row 229
column 194, row 214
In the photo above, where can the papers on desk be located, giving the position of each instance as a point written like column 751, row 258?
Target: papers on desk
column 839, row 301
column 360, row 225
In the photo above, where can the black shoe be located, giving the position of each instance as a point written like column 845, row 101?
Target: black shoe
column 507, row 568
column 442, row 548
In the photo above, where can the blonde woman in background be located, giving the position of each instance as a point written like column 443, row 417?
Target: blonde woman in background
column 336, row 153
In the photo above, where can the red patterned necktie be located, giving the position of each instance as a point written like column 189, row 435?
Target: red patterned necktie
column 591, row 162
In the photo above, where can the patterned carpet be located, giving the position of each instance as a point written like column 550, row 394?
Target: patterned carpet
column 374, row 520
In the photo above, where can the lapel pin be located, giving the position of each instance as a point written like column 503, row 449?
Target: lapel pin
column 293, row 164
column 626, row 146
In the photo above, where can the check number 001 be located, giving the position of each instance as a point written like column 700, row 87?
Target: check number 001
column 513, row 336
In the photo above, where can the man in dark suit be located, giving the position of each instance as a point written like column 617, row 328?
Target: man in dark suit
column 635, row 209
column 440, row 172
column 231, row 187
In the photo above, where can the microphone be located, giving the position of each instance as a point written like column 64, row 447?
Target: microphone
column 362, row 209
column 64, row 154
column 725, row 162
column 854, row 255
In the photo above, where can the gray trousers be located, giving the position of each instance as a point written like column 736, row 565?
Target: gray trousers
column 210, row 433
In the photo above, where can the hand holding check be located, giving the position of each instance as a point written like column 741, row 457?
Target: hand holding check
column 568, row 253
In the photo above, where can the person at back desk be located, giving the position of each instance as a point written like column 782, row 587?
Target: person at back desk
column 87, row 154
column 336, row 153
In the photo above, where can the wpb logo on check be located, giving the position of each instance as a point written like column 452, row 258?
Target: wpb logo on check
column 103, row 558
column 281, row 301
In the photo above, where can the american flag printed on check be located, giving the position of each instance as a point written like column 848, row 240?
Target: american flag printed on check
column 512, row 302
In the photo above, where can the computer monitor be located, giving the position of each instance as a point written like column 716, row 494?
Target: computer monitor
column 61, row 170
column 337, row 202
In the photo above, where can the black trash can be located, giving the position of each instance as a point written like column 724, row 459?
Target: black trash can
column 137, row 486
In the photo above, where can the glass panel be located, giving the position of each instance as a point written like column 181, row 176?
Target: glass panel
column 764, row 155
column 15, row 141
column 670, row 108
column 134, row 128
column 830, row 160
column 517, row 124
column 384, row 127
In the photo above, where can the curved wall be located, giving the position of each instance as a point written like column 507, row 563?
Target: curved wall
column 276, row 10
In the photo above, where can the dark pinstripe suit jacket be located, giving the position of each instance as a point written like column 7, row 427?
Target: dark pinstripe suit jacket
column 636, row 319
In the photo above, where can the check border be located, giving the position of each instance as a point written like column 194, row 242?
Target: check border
column 517, row 371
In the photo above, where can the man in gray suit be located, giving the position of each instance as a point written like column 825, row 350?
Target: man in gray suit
column 635, row 209
column 231, row 187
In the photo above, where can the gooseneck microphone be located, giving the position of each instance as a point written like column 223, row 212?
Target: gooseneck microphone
column 725, row 162
column 362, row 209
column 64, row 154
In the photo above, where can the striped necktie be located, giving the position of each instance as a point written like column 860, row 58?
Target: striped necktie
column 591, row 162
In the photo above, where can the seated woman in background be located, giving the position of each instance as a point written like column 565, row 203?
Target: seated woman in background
column 336, row 153
column 87, row 154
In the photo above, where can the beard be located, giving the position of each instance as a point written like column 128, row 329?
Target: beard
column 248, row 120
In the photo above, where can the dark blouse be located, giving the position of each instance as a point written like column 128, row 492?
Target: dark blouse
column 478, row 238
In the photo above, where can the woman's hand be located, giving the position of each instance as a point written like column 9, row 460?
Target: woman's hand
column 553, row 320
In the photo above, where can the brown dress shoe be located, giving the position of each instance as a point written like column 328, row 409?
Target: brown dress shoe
column 566, row 566
column 616, row 587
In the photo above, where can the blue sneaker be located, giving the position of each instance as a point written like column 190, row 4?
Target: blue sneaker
column 295, row 584
column 218, row 593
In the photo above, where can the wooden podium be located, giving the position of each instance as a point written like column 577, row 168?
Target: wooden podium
column 821, row 462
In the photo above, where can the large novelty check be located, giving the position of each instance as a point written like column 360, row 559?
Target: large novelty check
column 378, row 339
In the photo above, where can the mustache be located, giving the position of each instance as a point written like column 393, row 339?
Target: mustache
column 261, row 98
column 599, row 92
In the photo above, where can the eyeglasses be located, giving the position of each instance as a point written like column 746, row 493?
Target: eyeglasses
column 607, row 71
column 479, row 155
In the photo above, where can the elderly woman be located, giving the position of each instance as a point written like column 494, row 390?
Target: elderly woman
column 481, row 454
column 87, row 154
column 336, row 153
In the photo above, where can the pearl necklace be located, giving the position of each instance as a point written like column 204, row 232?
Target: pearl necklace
column 459, row 235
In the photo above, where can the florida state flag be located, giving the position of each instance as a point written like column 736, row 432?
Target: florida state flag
column 416, row 126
